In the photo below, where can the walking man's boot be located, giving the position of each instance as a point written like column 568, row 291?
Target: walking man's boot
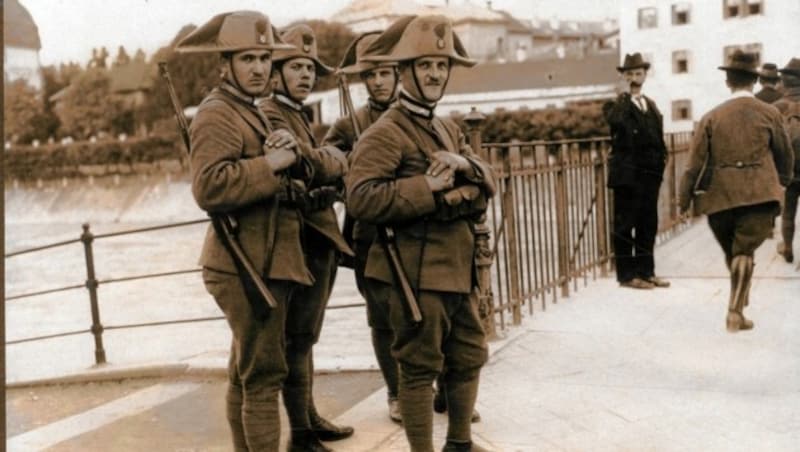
column 741, row 275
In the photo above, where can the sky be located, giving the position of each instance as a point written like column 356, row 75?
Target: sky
column 69, row 29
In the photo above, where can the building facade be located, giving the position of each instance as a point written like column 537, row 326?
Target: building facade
column 21, row 45
column 686, row 40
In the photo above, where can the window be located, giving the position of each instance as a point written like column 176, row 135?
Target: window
column 681, row 110
column 742, row 8
column 680, row 61
column 680, row 13
column 754, row 48
column 648, row 17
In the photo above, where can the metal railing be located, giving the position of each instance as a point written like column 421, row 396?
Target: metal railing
column 547, row 227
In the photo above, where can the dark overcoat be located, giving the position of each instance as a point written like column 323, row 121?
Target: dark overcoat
column 748, row 155
column 636, row 146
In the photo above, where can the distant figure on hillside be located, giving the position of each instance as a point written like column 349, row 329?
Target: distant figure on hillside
column 769, row 79
column 635, row 170
column 740, row 154
column 789, row 106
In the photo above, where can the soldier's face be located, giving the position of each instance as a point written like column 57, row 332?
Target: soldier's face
column 431, row 73
column 299, row 75
column 251, row 69
column 380, row 83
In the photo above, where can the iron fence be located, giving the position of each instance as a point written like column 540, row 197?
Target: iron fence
column 547, row 228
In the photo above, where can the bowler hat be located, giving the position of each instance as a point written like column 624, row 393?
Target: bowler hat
column 634, row 61
column 742, row 62
column 232, row 32
column 413, row 37
column 303, row 44
column 769, row 71
column 792, row 67
column 353, row 61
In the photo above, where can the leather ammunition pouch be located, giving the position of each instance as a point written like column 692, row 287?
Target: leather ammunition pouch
column 466, row 201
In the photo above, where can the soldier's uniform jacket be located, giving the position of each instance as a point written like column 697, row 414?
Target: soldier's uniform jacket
column 342, row 136
column 749, row 160
column 286, row 114
column 230, row 175
column 386, row 185
column 637, row 140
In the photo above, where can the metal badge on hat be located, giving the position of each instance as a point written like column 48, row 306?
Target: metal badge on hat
column 307, row 41
column 261, row 31
column 440, row 30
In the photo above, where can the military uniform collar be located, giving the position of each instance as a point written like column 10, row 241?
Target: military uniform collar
column 377, row 106
column 284, row 100
column 235, row 92
column 416, row 107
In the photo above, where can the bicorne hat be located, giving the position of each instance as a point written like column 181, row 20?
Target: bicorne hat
column 413, row 37
column 233, row 32
column 303, row 45
column 633, row 61
column 353, row 61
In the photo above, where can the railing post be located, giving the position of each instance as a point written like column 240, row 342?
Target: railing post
column 562, row 231
column 483, row 252
column 602, row 217
column 509, row 211
column 91, row 284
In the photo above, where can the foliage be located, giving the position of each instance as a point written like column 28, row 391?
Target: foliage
column 576, row 120
column 87, row 107
column 58, row 160
column 22, row 104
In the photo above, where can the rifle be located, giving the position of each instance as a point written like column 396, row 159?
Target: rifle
column 385, row 233
column 225, row 225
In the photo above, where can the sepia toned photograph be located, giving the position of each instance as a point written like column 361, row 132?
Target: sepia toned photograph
column 418, row 225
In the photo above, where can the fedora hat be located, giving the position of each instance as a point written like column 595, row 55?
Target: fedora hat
column 353, row 61
column 742, row 62
column 232, row 32
column 634, row 61
column 769, row 71
column 413, row 37
column 303, row 44
column 792, row 67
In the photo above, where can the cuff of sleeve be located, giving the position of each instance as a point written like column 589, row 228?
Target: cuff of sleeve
column 416, row 192
column 475, row 175
column 261, row 178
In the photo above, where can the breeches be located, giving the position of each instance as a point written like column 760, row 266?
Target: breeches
column 635, row 228
column 375, row 293
column 321, row 258
column 790, row 211
column 741, row 230
column 451, row 335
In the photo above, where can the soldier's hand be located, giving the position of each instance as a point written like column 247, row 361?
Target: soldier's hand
column 444, row 159
column 280, row 138
column 443, row 180
column 280, row 159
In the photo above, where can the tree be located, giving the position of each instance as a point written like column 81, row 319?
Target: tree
column 122, row 57
column 88, row 107
column 21, row 104
column 333, row 38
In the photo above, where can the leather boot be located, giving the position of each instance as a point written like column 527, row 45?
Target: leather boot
column 394, row 410
column 741, row 274
column 306, row 441
column 452, row 446
column 326, row 430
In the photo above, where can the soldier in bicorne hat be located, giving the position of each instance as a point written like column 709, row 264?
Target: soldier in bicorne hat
column 744, row 147
column 294, row 73
column 412, row 170
column 381, row 80
column 243, row 168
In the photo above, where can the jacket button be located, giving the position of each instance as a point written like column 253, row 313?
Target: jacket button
column 739, row 164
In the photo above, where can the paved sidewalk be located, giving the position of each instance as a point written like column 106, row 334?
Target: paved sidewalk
column 613, row 369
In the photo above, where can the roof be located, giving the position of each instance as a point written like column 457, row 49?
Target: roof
column 133, row 76
column 19, row 29
column 553, row 73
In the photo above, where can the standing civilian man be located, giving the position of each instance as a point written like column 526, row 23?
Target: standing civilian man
column 769, row 79
column 746, row 154
column 635, row 170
